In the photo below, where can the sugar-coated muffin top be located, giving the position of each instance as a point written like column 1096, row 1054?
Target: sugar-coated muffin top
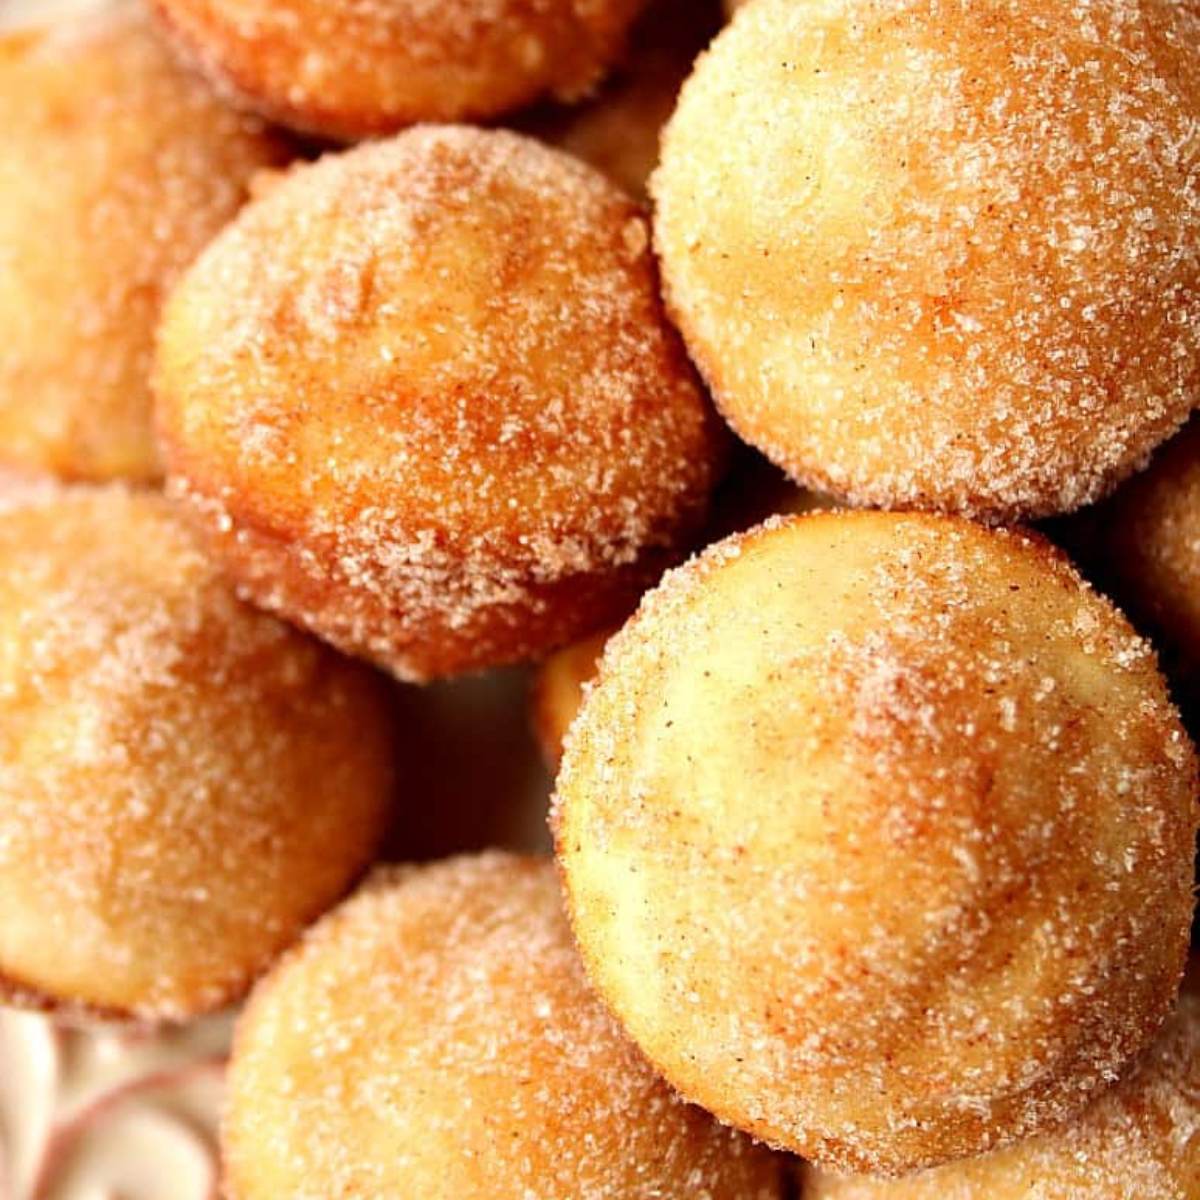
column 877, row 833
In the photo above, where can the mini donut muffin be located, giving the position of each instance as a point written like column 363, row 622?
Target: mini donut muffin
column 359, row 68
column 424, row 400
column 1150, row 540
column 942, row 260
column 184, row 782
column 618, row 131
column 877, row 837
column 436, row 1036
column 26, row 14
column 115, row 169
column 557, row 693
column 1138, row 1141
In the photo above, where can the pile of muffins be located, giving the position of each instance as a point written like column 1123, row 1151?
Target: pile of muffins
column 354, row 345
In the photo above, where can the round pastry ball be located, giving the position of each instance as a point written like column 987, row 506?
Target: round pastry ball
column 1138, row 1141
column 359, row 68
column 618, row 130
column 115, row 169
column 558, row 688
column 424, row 400
column 184, row 782
column 943, row 261
column 877, row 836
column 1150, row 542
column 436, row 1036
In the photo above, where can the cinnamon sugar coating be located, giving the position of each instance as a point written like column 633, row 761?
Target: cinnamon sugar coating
column 116, row 167
column 1150, row 536
column 558, row 690
column 436, row 1037
column 877, row 835
column 943, row 255
column 360, row 68
column 424, row 401
column 1138, row 1141
column 184, row 782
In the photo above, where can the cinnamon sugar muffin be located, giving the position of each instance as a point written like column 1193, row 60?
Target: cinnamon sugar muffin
column 943, row 256
column 877, row 836
column 557, row 692
column 1148, row 545
column 184, row 782
column 436, row 1037
column 423, row 399
column 1138, row 1141
column 359, row 68
column 116, row 167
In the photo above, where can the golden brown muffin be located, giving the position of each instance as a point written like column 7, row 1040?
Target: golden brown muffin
column 184, row 782
column 1138, row 1141
column 359, row 68
column 436, row 1037
column 618, row 130
column 877, row 836
column 424, row 400
column 115, row 169
column 1149, row 541
column 558, row 689
column 943, row 257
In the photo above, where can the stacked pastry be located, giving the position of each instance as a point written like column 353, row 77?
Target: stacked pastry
column 874, row 825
